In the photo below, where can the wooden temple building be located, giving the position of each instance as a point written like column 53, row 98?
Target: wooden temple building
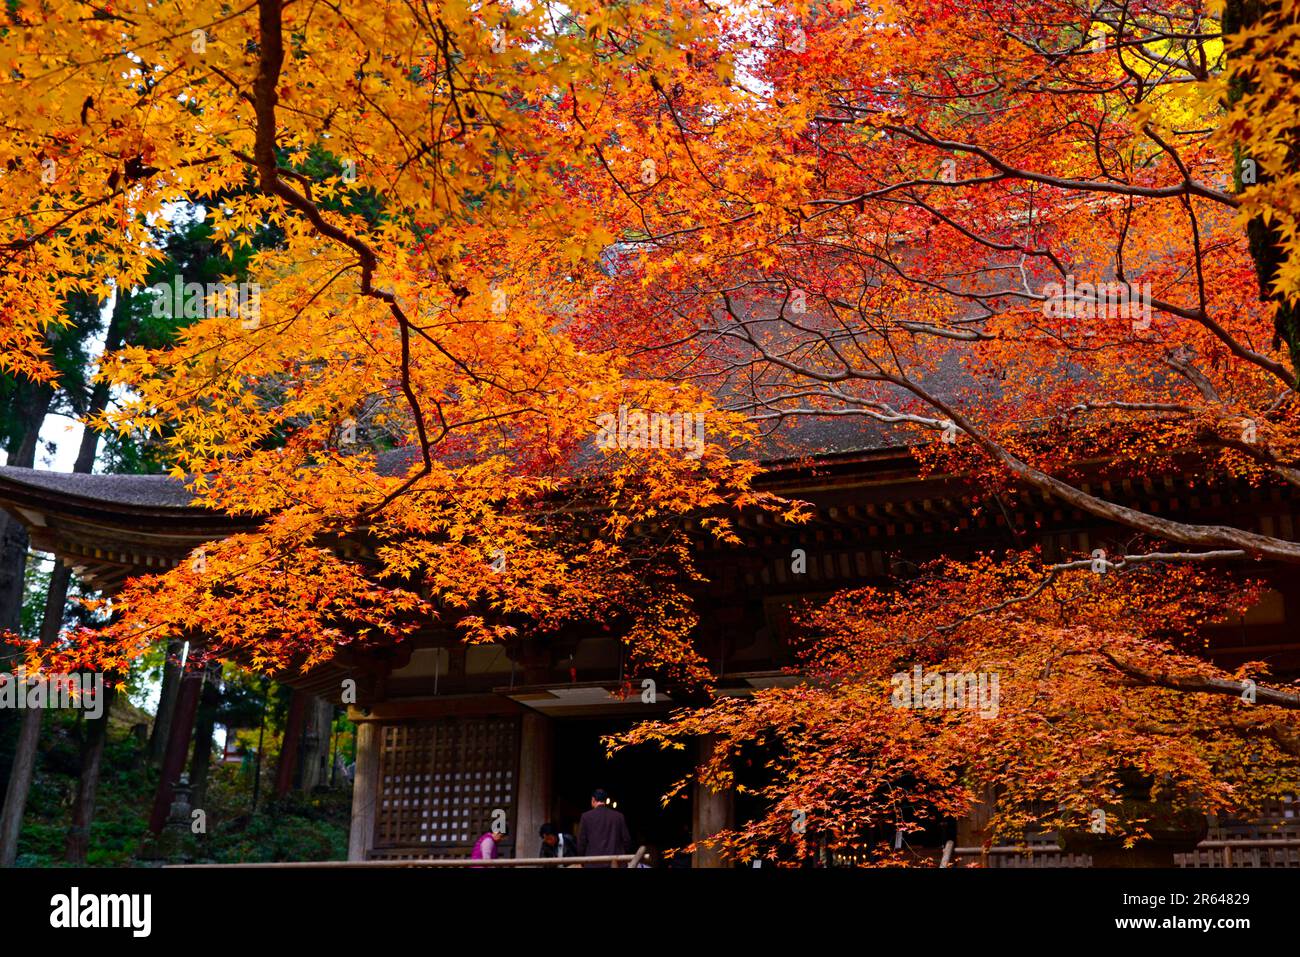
column 449, row 733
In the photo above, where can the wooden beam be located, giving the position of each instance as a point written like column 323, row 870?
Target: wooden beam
column 398, row 709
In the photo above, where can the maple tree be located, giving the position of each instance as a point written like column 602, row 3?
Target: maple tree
column 1049, row 232
column 427, row 180
column 1034, row 238
column 949, row 181
column 1090, row 695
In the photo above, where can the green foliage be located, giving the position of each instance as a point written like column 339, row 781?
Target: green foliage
column 122, row 802
column 299, row 828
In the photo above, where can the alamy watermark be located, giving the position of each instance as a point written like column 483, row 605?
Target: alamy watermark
column 73, row 910
column 973, row 690
column 84, row 692
column 638, row 429
column 216, row 300
column 1099, row 300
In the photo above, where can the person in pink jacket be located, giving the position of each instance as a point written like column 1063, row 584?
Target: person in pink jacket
column 485, row 848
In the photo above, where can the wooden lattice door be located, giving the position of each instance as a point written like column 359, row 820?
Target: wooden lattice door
column 440, row 784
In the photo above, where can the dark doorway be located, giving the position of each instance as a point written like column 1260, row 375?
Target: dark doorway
column 636, row 780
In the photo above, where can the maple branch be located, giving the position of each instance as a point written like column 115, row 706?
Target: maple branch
column 270, row 62
column 264, row 98
column 19, row 245
column 1130, row 407
column 1080, row 185
column 885, row 413
column 1053, row 572
column 1180, row 361
column 1199, row 315
column 1288, row 473
column 1271, row 366
column 1168, row 529
column 1198, row 684
column 929, row 329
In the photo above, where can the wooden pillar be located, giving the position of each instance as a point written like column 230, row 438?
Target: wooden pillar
column 178, row 743
column 365, row 791
column 535, row 782
column 289, row 746
column 711, row 811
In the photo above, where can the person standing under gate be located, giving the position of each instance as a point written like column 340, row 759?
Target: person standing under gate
column 602, row 830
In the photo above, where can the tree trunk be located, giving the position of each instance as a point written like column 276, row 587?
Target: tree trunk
column 178, row 744
column 13, row 566
column 162, row 722
column 315, row 744
column 33, row 405
column 56, row 597
column 289, row 750
column 29, row 735
column 92, row 757
column 209, row 703
column 20, row 782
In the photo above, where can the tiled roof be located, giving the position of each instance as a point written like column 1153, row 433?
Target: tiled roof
column 157, row 491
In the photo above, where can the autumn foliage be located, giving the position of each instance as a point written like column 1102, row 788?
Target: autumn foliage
column 1078, row 709
column 417, row 187
column 1023, row 236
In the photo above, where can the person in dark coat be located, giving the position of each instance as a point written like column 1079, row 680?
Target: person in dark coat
column 556, row 843
column 602, row 830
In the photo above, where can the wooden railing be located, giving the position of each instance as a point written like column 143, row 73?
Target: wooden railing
column 1244, row 852
column 1261, row 852
column 628, row 860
